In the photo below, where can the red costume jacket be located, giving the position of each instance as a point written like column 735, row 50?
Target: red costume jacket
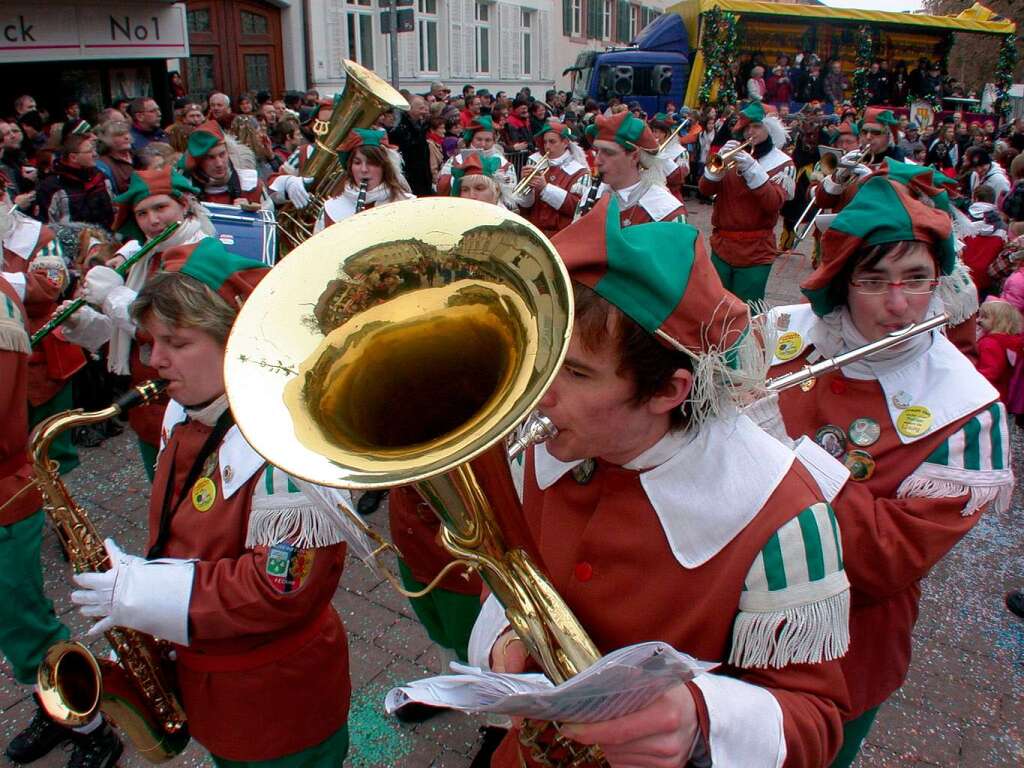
column 554, row 211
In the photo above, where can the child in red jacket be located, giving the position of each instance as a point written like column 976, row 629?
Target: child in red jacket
column 1000, row 343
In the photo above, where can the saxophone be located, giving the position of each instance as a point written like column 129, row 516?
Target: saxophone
column 135, row 691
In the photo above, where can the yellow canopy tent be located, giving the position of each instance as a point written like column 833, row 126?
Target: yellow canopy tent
column 786, row 27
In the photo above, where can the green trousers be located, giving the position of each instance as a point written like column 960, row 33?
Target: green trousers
column 149, row 453
column 854, row 733
column 28, row 626
column 447, row 616
column 748, row 283
column 329, row 753
column 62, row 450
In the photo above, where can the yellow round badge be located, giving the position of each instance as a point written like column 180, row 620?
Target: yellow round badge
column 204, row 493
column 914, row 421
column 789, row 345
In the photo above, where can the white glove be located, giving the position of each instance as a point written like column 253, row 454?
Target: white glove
column 766, row 414
column 729, row 146
column 99, row 282
column 151, row 596
column 849, row 168
column 295, row 189
column 744, row 161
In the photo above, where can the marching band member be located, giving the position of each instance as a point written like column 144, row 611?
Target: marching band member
column 290, row 184
column 479, row 138
column 919, row 428
column 241, row 564
column 28, row 625
column 674, row 158
column 33, row 261
column 223, row 170
column 749, row 198
column 549, row 202
column 879, row 133
column 369, row 160
column 627, row 162
column 154, row 200
column 480, row 178
column 629, row 530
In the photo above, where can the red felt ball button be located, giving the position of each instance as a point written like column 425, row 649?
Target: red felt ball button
column 584, row 571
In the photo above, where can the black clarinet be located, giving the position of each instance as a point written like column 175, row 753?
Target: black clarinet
column 587, row 201
column 361, row 197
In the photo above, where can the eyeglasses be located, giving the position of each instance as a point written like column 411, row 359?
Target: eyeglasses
column 915, row 285
column 873, row 131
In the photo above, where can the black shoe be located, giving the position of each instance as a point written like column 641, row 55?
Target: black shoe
column 369, row 502
column 492, row 737
column 111, row 428
column 89, row 436
column 414, row 712
column 1015, row 602
column 41, row 736
column 99, row 749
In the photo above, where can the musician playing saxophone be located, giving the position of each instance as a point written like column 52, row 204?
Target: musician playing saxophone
column 153, row 200
column 240, row 564
column 660, row 514
column 373, row 177
column 549, row 201
column 28, row 626
column 920, row 430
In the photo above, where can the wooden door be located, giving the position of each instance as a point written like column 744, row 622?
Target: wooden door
column 258, row 59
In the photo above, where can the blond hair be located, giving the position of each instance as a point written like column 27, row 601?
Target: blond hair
column 1002, row 316
column 180, row 301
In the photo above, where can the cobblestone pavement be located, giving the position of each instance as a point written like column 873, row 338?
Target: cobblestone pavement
column 963, row 705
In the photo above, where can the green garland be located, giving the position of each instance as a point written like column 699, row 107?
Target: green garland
column 719, row 46
column 1004, row 74
column 865, row 55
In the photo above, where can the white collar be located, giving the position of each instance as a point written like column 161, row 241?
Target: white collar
column 237, row 459
column 625, row 193
column 941, row 380
column 773, row 159
column 22, row 241
column 699, row 517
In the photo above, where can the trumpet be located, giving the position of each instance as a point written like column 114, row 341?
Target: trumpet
column 524, row 183
column 723, row 161
column 843, row 174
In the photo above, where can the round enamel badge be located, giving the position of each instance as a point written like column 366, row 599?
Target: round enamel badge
column 860, row 463
column 789, row 345
column 864, row 431
column 914, row 421
column 204, row 493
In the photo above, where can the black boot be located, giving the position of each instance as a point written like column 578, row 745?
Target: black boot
column 491, row 738
column 369, row 502
column 41, row 736
column 1015, row 602
column 99, row 749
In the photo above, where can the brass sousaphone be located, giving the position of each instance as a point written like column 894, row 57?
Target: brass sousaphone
column 396, row 347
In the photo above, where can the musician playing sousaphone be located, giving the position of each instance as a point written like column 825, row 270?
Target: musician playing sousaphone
column 548, row 201
column 153, row 201
column 479, row 139
column 240, row 564
column 373, row 177
column 749, row 197
column 921, row 431
column 661, row 514
column 879, row 132
column 33, row 263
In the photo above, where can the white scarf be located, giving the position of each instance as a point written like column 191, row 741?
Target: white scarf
column 192, row 230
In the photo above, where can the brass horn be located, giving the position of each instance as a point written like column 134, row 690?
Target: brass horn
column 723, row 161
column 399, row 345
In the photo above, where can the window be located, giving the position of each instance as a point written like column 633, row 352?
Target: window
column 200, row 74
column 606, row 19
column 254, row 23
column 482, row 38
column 526, row 41
column 577, row 18
column 360, row 32
column 426, row 31
column 257, row 72
column 198, row 20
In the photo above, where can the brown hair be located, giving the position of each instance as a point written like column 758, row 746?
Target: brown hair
column 642, row 358
column 180, row 301
column 74, row 142
column 378, row 156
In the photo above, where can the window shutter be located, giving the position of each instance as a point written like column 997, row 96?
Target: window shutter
column 408, row 50
column 594, row 19
column 622, row 21
column 337, row 40
column 457, row 40
column 543, row 42
column 566, row 19
column 507, row 29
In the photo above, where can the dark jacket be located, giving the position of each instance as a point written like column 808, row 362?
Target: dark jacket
column 87, row 195
column 411, row 140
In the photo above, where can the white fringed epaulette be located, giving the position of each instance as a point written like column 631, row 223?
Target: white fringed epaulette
column 282, row 512
column 13, row 336
column 974, row 460
column 795, row 604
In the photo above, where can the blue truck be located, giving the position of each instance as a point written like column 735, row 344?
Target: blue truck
column 653, row 70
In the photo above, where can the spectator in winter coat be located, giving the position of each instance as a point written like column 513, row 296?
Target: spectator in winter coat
column 779, row 88
column 77, row 191
column 835, row 84
column 999, row 343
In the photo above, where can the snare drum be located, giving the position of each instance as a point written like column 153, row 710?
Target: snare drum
column 252, row 234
